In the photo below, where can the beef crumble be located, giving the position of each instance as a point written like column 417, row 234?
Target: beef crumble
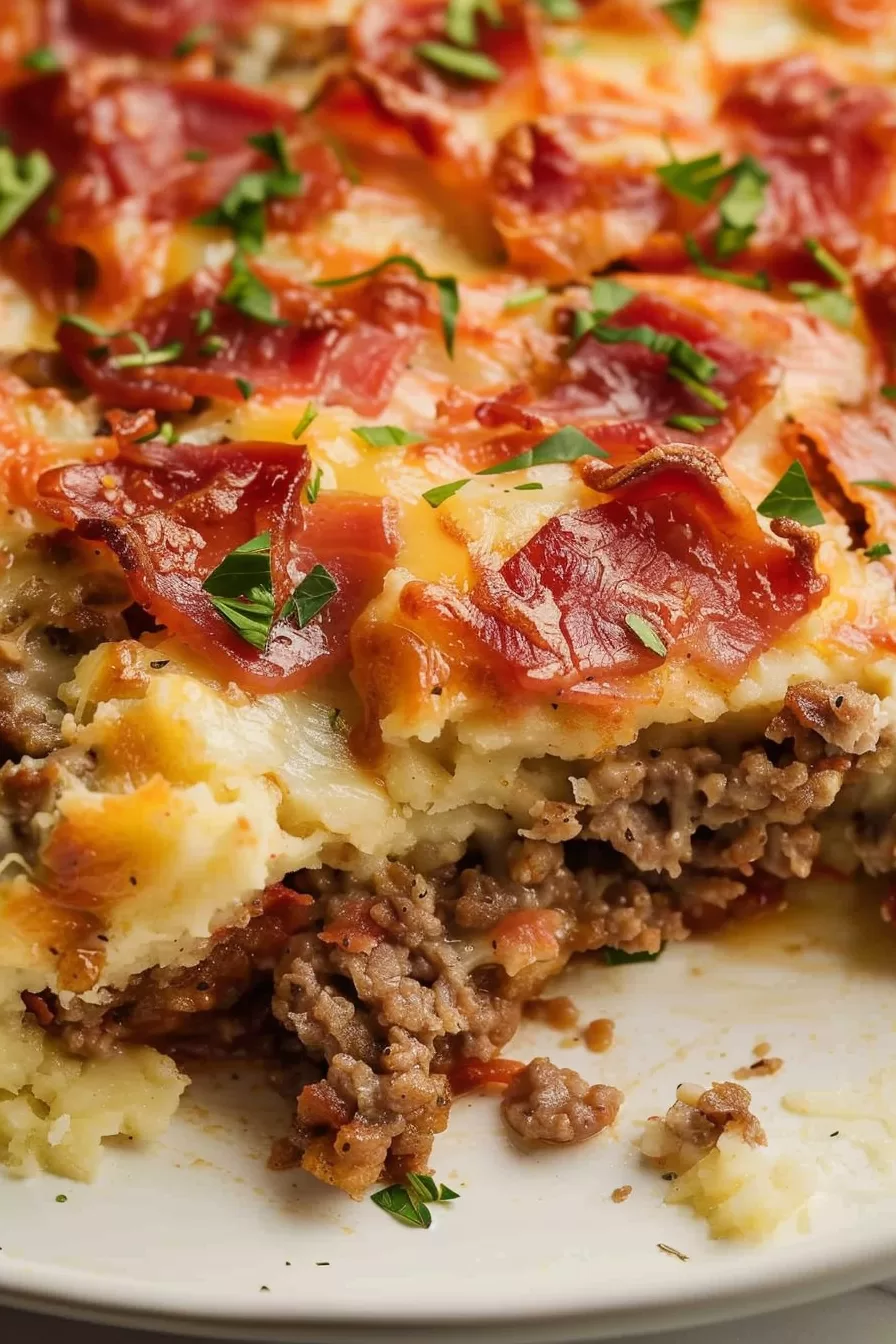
column 369, row 994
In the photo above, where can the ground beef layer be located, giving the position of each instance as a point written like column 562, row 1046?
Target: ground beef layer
column 377, row 999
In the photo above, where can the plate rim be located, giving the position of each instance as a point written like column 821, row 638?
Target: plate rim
column 831, row 1267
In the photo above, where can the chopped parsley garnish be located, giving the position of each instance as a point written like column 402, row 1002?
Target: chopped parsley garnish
column 86, row 324
column 43, row 59
column 143, row 357
column 740, row 206
column 685, row 362
column 249, row 295
column 241, row 590
column 196, row 155
column 694, row 424
column 792, row 498
column 203, row 321
column 835, row 305
column 408, row 1203
column 888, row 390
column 242, row 209
column 876, row 483
column 564, row 445
column 456, row 60
column 684, row 14
column 644, row 631
column 311, row 595
column 22, row 180
column 608, row 296
column 62, row 1199
column 614, row 956
column 527, row 296
column 446, row 285
column 245, row 388
column 309, row 415
column 827, row 262
column 831, row 304
column 878, row 551
column 561, row 11
column 213, row 345
column 694, row 179
column 460, row 19
column 529, row 485
column 386, row 436
column 757, row 281
column 199, row 36
column 312, row 489
column 167, row 433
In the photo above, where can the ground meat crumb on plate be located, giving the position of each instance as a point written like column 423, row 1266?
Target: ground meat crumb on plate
column 545, row 1104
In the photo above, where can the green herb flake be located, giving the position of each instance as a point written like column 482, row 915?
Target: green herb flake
column 878, row 551
column 609, row 296
column 792, row 498
column 309, row 415
column 242, row 208
column 831, row 304
column 22, row 181
column 645, row 632
column 684, row 14
column 398, row 1201
column 694, row 424
column 466, row 64
column 888, row 390
column 741, row 206
column 86, row 324
column 828, row 263
column 685, row 362
column 386, row 436
column 311, row 596
column 167, row 433
column 312, row 489
column 525, row 298
column 42, row 59
column 561, row 11
column 245, row 388
column 614, row 956
column 875, row 483
column 203, row 321
column 529, row 485
column 249, row 295
column 196, row 155
column 461, row 16
column 446, row 286
column 213, row 345
column 201, row 35
column 564, row 445
column 143, row 357
column 62, row 1199
column 425, row 1188
column 694, row 179
column 759, row 280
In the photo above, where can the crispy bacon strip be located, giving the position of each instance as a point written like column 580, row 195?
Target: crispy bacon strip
column 151, row 27
column 349, row 349
column 171, row 514
column 674, row 545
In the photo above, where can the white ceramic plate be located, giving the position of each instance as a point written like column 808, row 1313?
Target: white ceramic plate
column 198, row 1236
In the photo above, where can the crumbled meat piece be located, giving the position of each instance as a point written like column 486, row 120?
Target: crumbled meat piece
column 621, row 1194
column 695, row 1122
column 760, row 1068
column 553, row 822
column 818, row 717
column 545, row 1104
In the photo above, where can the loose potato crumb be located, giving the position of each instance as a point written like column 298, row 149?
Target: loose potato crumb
column 598, row 1035
column 761, row 1068
column 621, row 1194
